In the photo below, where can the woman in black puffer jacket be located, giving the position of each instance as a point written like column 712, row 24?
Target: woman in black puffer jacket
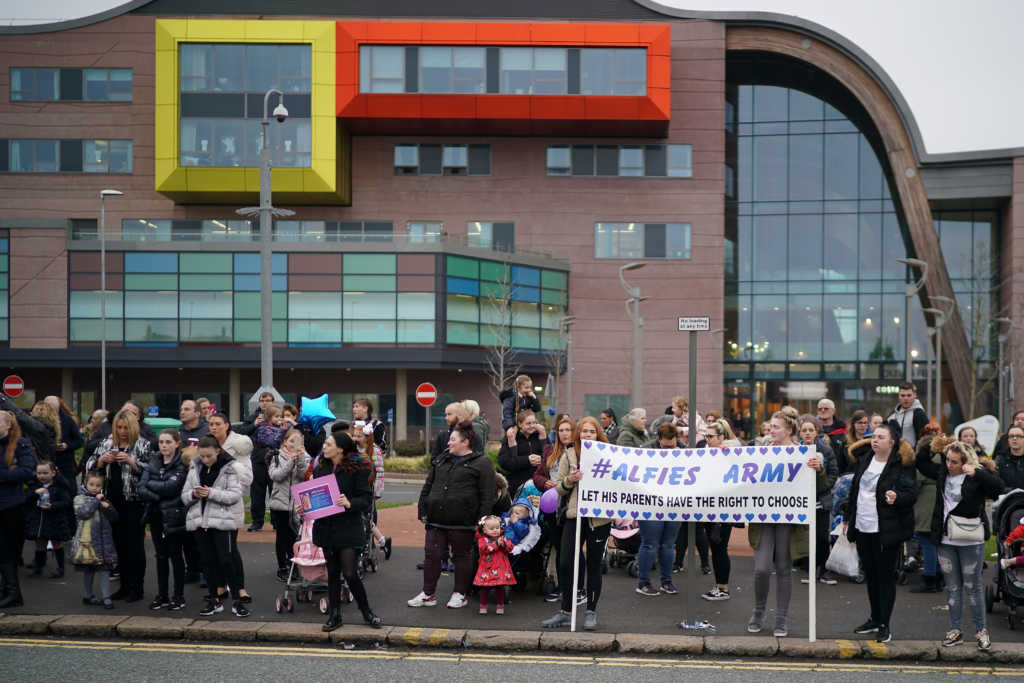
column 160, row 486
column 343, row 535
column 17, row 467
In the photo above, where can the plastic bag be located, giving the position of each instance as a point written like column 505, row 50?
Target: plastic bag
column 843, row 559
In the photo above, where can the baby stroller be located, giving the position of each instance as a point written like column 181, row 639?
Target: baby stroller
column 306, row 575
column 369, row 554
column 623, row 549
column 1008, row 586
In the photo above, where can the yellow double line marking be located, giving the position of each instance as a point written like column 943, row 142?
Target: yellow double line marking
column 512, row 657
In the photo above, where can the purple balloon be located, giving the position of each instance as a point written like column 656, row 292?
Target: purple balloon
column 549, row 501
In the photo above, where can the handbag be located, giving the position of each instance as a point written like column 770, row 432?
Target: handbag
column 843, row 559
column 965, row 529
column 85, row 555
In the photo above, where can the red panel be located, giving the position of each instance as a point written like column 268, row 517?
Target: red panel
column 416, row 283
column 658, row 38
column 347, row 35
column 348, row 68
column 660, row 100
column 416, row 263
column 313, row 264
column 613, row 107
column 314, row 283
column 393, row 106
column 344, row 98
column 448, row 106
column 449, row 33
column 407, row 32
column 502, row 33
column 503, row 106
column 557, row 107
column 354, row 107
column 557, row 34
column 659, row 71
column 612, row 34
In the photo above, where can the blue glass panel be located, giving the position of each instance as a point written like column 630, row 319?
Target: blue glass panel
column 144, row 262
column 521, row 275
column 247, row 263
column 459, row 285
column 279, row 283
column 526, row 294
column 246, row 283
column 4, row 245
column 279, row 263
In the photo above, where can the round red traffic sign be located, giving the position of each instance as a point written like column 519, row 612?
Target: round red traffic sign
column 13, row 386
column 426, row 394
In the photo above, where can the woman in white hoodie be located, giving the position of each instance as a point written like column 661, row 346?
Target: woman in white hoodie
column 239, row 447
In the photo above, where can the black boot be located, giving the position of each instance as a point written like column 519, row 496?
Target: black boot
column 928, row 584
column 40, row 562
column 12, row 598
column 58, row 555
column 370, row 618
column 333, row 619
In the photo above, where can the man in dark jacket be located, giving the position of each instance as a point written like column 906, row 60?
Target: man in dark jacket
column 517, row 399
column 453, row 415
column 909, row 414
column 193, row 427
column 1010, row 465
column 1002, row 446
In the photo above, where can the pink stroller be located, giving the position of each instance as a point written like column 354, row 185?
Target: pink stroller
column 308, row 573
column 621, row 552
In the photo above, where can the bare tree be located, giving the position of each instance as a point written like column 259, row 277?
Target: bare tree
column 982, row 328
column 496, row 332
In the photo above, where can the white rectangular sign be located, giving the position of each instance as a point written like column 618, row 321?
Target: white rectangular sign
column 694, row 324
column 756, row 484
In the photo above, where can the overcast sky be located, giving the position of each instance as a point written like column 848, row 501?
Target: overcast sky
column 960, row 65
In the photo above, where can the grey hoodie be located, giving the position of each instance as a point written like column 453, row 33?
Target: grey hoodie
column 911, row 420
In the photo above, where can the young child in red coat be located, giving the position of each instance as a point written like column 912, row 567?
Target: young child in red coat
column 494, row 569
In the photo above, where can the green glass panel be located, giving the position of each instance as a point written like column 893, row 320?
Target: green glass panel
column 463, row 267
column 156, row 330
column 525, row 315
column 369, row 283
column 146, row 305
column 3, row 329
column 463, row 308
column 4, row 262
column 86, row 304
column 314, row 306
column 249, row 331
column 549, row 317
column 191, row 262
column 493, row 336
column 89, row 330
column 151, row 281
column 415, row 331
column 369, row 332
column 464, row 334
column 200, row 283
column 247, row 305
column 314, row 332
column 553, row 297
column 494, row 271
column 369, row 264
column 205, row 330
column 206, row 305
column 553, row 279
column 525, row 337
column 3, row 281
column 495, row 290
column 368, row 306
column 416, row 306
column 551, row 341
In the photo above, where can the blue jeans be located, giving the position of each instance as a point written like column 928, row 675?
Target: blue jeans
column 961, row 565
column 660, row 535
column 929, row 554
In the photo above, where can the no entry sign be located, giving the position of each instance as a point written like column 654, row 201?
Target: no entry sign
column 13, row 386
column 426, row 394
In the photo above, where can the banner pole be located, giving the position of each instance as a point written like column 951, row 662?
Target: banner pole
column 576, row 565
column 691, row 531
column 812, row 561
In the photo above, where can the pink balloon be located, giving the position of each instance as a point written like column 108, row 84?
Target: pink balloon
column 549, row 501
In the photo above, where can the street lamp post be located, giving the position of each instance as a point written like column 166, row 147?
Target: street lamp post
column 1003, row 337
column 929, row 332
column 265, row 210
column 941, row 316
column 566, row 324
column 103, row 292
column 633, row 311
column 912, row 289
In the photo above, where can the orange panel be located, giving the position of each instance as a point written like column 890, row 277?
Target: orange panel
column 557, row 34
column 344, row 96
column 347, row 34
column 408, row 32
column 652, row 109
column 448, row 107
column 661, row 100
column 449, row 33
column 502, row 33
column 393, row 106
column 348, row 68
column 612, row 34
column 601, row 107
column 503, row 106
column 659, row 71
column 658, row 38
column 355, row 107
column 559, row 107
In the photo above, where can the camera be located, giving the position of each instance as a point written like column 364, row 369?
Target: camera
column 280, row 113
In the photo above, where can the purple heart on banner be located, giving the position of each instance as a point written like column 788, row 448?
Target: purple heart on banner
column 583, row 512
column 672, row 515
column 613, row 449
column 688, row 453
column 803, row 449
column 638, row 451
column 737, row 517
column 700, row 452
column 684, row 516
column 725, row 451
column 802, row 518
column 698, row 515
column 776, row 449
column 622, row 514
column 675, row 453
column 750, row 516
column 664, row 454
column 789, row 517
column 634, row 514
column 650, row 454
column 789, row 450
column 711, row 517
column 763, row 449
column 658, row 515
column 776, row 516
column 762, row 517
column 646, row 515
column 601, row 446
column 596, row 512
column 586, row 444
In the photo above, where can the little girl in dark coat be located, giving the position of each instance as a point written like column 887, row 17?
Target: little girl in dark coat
column 46, row 516
column 93, row 550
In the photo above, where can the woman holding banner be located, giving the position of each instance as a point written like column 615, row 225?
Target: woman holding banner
column 593, row 531
column 777, row 545
column 881, row 505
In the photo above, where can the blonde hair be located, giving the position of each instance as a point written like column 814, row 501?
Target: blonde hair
column 271, row 411
column 682, row 402
column 968, row 456
column 471, row 407
column 187, row 455
column 523, row 379
column 45, row 412
column 788, row 416
column 128, row 417
column 722, row 427
column 13, row 434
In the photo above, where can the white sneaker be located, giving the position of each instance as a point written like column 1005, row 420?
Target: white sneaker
column 457, row 600
column 423, row 600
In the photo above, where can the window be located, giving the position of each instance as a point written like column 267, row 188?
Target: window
column 642, row 240
column 67, row 156
column 33, row 156
column 452, row 70
column 614, row 71
column 425, row 232
column 649, row 161
column 593, row 404
column 108, row 156
column 75, row 85
column 439, row 159
column 488, row 235
column 381, row 68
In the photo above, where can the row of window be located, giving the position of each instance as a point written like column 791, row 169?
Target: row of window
column 48, row 84
column 226, row 67
column 621, row 160
column 226, row 142
column 66, row 156
column 504, row 70
column 436, row 159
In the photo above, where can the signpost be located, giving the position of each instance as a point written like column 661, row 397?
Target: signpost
column 426, row 395
column 13, row 386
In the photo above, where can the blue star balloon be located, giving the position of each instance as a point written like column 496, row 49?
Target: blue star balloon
column 315, row 413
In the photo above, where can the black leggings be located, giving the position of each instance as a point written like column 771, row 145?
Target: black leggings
column 216, row 548
column 341, row 562
column 130, row 542
column 236, row 560
column 701, row 541
column 595, row 540
column 284, row 538
column 879, row 564
column 718, row 541
column 168, row 554
column 12, row 534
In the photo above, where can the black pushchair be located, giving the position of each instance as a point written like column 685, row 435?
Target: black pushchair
column 1008, row 585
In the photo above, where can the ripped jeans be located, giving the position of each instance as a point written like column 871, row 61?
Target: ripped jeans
column 961, row 566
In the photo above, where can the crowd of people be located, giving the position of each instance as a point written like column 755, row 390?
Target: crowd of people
column 893, row 486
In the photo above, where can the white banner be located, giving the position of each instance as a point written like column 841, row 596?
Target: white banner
column 759, row 484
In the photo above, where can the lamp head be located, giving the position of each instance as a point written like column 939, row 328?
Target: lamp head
column 280, row 113
column 632, row 266
column 111, row 193
column 914, row 262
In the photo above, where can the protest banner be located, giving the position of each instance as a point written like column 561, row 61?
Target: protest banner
column 734, row 485
column 317, row 497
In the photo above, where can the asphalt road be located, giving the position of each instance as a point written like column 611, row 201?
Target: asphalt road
column 28, row 661
column 621, row 609
column 401, row 493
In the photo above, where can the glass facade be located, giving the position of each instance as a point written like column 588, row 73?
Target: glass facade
column 221, row 89
column 814, row 296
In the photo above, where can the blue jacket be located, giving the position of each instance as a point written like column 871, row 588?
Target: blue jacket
column 14, row 478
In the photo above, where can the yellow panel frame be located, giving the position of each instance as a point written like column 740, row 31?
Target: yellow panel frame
column 328, row 180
